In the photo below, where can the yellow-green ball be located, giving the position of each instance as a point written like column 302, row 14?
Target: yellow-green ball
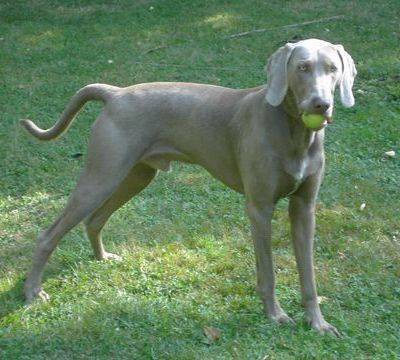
column 313, row 121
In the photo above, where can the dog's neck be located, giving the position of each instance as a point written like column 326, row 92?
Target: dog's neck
column 289, row 105
column 302, row 138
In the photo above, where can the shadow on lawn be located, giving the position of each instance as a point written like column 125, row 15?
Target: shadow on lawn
column 12, row 299
column 137, row 328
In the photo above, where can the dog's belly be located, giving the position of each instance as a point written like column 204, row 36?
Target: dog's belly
column 228, row 177
column 160, row 158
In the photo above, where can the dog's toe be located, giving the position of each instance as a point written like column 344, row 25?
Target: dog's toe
column 36, row 294
column 282, row 318
column 110, row 256
column 323, row 327
column 44, row 296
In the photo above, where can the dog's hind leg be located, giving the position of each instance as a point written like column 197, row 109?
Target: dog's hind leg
column 139, row 177
column 111, row 156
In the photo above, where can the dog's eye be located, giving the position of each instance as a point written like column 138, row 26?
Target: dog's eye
column 304, row 67
column 332, row 68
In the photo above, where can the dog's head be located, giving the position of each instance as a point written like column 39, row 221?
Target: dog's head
column 311, row 69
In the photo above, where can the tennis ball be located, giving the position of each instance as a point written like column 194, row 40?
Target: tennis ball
column 313, row 121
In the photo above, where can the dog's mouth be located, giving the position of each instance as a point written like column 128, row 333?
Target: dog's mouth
column 327, row 120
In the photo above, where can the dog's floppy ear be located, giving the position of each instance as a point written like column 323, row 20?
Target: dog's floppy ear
column 348, row 75
column 277, row 82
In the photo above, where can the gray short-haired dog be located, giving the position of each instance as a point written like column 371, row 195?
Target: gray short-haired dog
column 253, row 140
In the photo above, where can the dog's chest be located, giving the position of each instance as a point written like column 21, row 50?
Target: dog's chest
column 298, row 170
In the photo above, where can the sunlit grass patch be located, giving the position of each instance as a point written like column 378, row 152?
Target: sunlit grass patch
column 222, row 20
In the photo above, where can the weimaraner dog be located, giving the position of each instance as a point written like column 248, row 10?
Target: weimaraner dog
column 253, row 140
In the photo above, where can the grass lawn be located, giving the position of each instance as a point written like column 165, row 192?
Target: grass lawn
column 188, row 260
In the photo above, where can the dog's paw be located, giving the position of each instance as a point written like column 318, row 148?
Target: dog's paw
column 110, row 256
column 279, row 316
column 32, row 295
column 276, row 314
column 323, row 327
column 282, row 318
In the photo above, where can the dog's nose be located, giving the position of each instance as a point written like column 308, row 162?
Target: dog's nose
column 320, row 106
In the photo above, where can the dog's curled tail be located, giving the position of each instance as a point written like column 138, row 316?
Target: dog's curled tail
column 100, row 92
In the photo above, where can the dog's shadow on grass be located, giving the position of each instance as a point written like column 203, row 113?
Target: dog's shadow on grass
column 135, row 327
column 12, row 299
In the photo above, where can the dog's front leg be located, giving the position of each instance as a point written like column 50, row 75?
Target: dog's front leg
column 302, row 216
column 260, row 218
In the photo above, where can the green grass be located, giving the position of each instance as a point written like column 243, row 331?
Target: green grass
column 188, row 259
